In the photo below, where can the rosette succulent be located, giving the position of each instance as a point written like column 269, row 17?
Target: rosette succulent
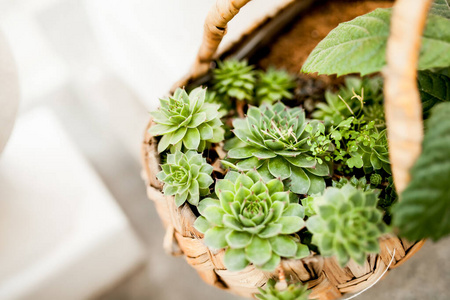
column 375, row 179
column 375, row 155
column 234, row 79
column 295, row 291
column 186, row 121
column 280, row 143
column 274, row 85
column 186, row 176
column 347, row 224
column 253, row 219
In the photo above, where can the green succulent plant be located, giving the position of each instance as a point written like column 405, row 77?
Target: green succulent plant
column 295, row 291
column 186, row 176
column 347, row 224
column 361, row 183
column 280, row 143
column 356, row 96
column 274, row 85
column 253, row 219
column 234, row 79
column 186, row 121
column 375, row 179
column 375, row 155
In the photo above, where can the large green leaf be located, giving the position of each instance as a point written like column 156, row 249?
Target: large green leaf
column 434, row 88
column 441, row 8
column 424, row 211
column 359, row 46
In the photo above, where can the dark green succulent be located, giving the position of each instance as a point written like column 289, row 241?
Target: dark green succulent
column 355, row 97
column 280, row 143
column 347, row 224
column 361, row 183
column 186, row 176
column 186, row 121
column 295, row 291
column 375, row 155
column 375, row 179
column 388, row 197
column 234, row 79
column 274, row 85
column 253, row 219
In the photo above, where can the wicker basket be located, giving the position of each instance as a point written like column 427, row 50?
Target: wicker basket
column 323, row 275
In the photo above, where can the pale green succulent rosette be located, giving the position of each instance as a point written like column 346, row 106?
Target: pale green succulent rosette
column 295, row 291
column 186, row 121
column 274, row 85
column 277, row 141
column 254, row 220
column 234, row 79
column 186, row 177
column 347, row 224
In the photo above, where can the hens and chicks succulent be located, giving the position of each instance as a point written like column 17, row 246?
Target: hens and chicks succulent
column 280, row 163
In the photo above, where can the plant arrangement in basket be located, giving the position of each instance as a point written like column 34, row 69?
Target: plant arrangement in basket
column 288, row 183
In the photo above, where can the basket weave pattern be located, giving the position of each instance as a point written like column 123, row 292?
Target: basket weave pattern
column 324, row 275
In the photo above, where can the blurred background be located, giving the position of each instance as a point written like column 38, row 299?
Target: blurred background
column 75, row 222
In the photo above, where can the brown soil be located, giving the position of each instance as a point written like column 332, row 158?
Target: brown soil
column 292, row 48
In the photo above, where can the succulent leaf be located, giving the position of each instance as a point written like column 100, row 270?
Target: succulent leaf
column 254, row 219
column 186, row 176
column 186, row 121
column 347, row 224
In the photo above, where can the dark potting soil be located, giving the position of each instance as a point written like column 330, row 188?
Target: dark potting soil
column 291, row 49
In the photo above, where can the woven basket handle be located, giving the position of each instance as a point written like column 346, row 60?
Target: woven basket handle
column 215, row 29
column 402, row 101
column 403, row 106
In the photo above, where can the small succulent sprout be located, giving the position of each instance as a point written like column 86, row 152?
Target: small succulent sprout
column 347, row 224
column 186, row 177
column 254, row 220
column 280, row 143
column 187, row 122
column 361, row 183
column 375, row 179
column 375, row 156
column 350, row 100
column 274, row 85
column 234, row 79
column 294, row 291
